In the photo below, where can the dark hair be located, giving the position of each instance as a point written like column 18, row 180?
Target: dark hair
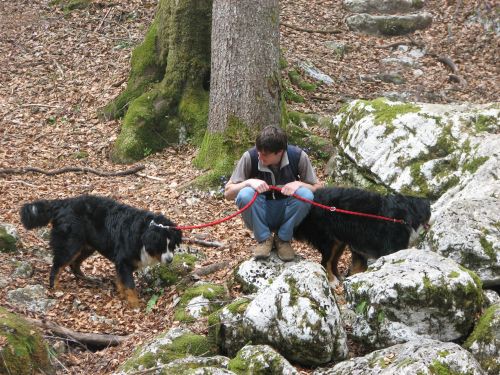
column 271, row 139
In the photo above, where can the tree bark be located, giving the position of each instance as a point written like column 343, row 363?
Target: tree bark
column 245, row 90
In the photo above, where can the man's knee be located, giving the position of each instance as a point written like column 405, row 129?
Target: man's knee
column 244, row 196
column 305, row 193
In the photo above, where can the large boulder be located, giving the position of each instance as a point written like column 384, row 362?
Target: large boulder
column 383, row 6
column 388, row 25
column 298, row 315
column 410, row 294
column 448, row 153
column 423, row 356
column 22, row 349
column 484, row 342
column 419, row 148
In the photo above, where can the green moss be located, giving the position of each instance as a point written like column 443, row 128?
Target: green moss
column 473, row 165
column 146, row 69
column 453, row 275
column 81, row 155
column 488, row 248
column 70, row 5
column 484, row 123
column 181, row 347
column 214, row 293
column 220, row 151
column 439, row 368
column 483, row 332
column 23, row 350
column 297, row 80
column 7, row 242
column 290, row 95
column 193, row 110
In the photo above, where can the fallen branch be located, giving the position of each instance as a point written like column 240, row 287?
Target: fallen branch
column 87, row 339
column 326, row 31
column 211, row 268
column 203, row 242
column 71, row 169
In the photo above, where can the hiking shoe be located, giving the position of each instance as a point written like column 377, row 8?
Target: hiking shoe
column 263, row 249
column 285, row 250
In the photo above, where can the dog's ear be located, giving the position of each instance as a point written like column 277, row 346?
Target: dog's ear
column 153, row 240
column 175, row 237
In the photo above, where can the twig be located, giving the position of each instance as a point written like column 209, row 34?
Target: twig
column 326, row 31
column 202, row 242
column 71, row 169
column 103, row 18
column 23, row 183
column 40, row 105
column 92, row 339
column 152, row 177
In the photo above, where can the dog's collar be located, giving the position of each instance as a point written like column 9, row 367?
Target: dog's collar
column 155, row 224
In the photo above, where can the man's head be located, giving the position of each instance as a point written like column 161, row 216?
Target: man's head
column 270, row 144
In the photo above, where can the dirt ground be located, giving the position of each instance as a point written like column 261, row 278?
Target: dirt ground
column 57, row 69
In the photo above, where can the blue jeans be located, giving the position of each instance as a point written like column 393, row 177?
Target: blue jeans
column 274, row 215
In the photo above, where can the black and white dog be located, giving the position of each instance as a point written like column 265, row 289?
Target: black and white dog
column 331, row 232
column 131, row 238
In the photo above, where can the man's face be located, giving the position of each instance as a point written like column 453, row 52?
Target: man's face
column 270, row 158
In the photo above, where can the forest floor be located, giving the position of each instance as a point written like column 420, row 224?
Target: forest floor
column 57, row 69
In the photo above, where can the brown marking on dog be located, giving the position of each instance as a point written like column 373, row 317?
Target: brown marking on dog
column 359, row 264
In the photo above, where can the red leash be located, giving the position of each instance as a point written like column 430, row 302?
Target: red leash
column 276, row 188
column 335, row 209
column 188, row 227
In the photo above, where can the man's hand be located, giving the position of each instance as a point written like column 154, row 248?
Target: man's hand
column 291, row 188
column 259, row 186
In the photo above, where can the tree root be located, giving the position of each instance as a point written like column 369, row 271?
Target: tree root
column 53, row 172
column 326, row 31
column 85, row 339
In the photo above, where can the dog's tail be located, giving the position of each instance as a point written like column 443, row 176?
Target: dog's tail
column 36, row 214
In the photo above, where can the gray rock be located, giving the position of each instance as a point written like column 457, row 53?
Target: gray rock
column 484, row 342
column 383, row 6
column 416, row 357
column 261, row 359
column 412, row 293
column 339, row 49
column 32, row 298
column 225, row 327
column 315, row 73
column 24, row 270
column 254, row 275
column 166, row 348
column 388, row 25
column 298, row 314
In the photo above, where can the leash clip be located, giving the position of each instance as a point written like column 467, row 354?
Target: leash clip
column 333, row 209
column 155, row 224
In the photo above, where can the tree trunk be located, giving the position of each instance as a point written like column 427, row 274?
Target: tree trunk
column 245, row 81
column 167, row 91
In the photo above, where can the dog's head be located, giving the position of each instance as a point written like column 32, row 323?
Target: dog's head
column 419, row 217
column 160, row 239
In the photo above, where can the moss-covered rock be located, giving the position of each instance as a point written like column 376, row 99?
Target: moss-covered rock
column 225, row 329
column 162, row 275
column 419, row 357
column 199, row 300
column 484, row 342
column 260, row 360
column 414, row 148
column 7, row 240
column 168, row 347
column 22, row 349
column 413, row 293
